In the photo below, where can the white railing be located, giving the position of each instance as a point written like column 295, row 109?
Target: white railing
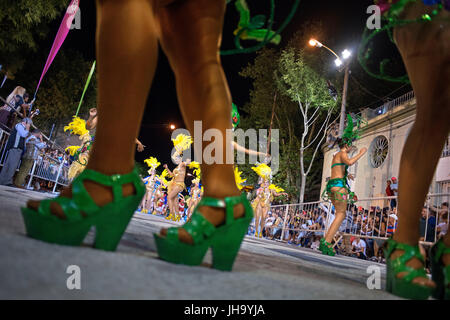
column 367, row 218
column 369, row 114
column 44, row 168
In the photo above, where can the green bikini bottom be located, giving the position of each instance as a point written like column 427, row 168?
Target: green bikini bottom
column 329, row 195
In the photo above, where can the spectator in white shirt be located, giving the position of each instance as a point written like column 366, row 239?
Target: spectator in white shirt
column 268, row 225
column 359, row 248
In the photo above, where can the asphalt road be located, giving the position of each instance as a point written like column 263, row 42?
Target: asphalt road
column 264, row 270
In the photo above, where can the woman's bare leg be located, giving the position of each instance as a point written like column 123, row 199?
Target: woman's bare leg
column 340, row 207
column 173, row 197
column 425, row 48
column 190, row 37
column 126, row 66
column 263, row 218
column 258, row 214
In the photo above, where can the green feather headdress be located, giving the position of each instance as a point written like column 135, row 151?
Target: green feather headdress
column 350, row 134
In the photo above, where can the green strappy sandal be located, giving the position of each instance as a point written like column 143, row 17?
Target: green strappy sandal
column 82, row 213
column 439, row 272
column 326, row 248
column 225, row 240
column 403, row 287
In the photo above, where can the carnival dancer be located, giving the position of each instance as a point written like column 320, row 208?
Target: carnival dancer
column 176, row 184
column 337, row 189
column 150, row 181
column 86, row 131
column 264, row 197
column 79, row 154
column 422, row 35
column 181, row 208
column 195, row 196
column 159, row 200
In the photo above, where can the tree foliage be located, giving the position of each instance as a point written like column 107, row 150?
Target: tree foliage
column 60, row 91
column 23, row 24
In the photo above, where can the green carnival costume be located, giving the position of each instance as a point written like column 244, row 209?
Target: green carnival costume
column 257, row 28
column 391, row 11
column 348, row 137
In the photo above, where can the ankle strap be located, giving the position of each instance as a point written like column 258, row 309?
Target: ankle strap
column 410, row 251
column 228, row 203
column 81, row 200
column 115, row 181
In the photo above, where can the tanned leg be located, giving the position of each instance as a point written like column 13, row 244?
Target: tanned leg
column 126, row 66
column 425, row 48
column 340, row 207
column 190, row 37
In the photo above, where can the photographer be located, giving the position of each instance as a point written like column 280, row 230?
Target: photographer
column 33, row 144
column 14, row 147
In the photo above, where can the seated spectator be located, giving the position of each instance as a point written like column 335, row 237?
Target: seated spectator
column 359, row 248
column 294, row 226
column 268, row 224
column 315, row 243
column 277, row 227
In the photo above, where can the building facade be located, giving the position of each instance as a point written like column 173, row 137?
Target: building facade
column 384, row 136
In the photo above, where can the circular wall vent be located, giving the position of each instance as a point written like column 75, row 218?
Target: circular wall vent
column 379, row 149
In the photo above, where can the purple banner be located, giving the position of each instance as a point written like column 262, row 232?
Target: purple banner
column 60, row 36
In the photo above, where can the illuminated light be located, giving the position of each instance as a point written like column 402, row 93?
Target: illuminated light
column 315, row 43
column 338, row 62
column 172, row 127
column 346, row 54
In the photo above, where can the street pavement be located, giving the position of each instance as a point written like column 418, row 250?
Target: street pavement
column 264, row 270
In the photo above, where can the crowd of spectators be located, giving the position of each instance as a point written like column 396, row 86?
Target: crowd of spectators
column 363, row 232
column 24, row 146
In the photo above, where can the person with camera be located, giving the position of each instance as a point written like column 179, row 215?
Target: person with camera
column 14, row 148
column 33, row 144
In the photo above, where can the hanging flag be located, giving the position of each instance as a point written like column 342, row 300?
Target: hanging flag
column 60, row 37
column 85, row 87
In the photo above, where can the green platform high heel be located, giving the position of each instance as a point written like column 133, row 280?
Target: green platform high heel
column 82, row 213
column 439, row 272
column 225, row 240
column 326, row 248
column 403, row 287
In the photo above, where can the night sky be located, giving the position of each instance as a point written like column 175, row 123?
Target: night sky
column 343, row 21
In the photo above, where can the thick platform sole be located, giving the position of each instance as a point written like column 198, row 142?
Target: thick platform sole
column 437, row 274
column 110, row 223
column 225, row 244
column 404, row 289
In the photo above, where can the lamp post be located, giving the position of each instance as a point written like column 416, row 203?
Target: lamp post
column 341, row 63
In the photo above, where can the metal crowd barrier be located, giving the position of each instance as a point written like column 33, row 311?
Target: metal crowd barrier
column 44, row 168
column 367, row 219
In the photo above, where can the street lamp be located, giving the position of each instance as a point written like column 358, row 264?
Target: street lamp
column 172, row 127
column 345, row 60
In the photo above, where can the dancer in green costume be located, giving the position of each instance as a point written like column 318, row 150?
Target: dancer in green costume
column 337, row 189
